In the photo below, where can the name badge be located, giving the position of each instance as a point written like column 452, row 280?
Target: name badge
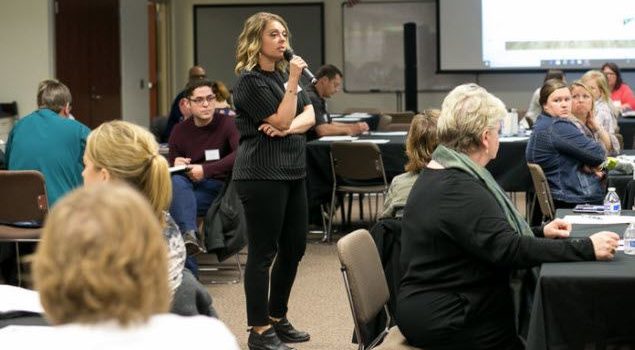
column 212, row 154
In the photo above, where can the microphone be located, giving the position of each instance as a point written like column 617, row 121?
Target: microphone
column 288, row 55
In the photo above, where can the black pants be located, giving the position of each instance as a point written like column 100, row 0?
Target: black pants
column 276, row 214
column 443, row 320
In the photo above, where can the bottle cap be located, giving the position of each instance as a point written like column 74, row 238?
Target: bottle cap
column 612, row 189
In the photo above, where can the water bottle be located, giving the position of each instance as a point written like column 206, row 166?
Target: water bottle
column 629, row 240
column 612, row 205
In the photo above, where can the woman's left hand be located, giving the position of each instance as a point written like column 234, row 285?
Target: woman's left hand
column 557, row 228
column 271, row 131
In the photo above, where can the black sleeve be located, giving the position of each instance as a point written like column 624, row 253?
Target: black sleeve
column 484, row 232
column 255, row 96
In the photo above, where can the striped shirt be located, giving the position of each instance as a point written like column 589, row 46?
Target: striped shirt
column 257, row 95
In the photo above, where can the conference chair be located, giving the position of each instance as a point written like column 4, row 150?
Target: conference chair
column 384, row 122
column 357, row 167
column 23, row 208
column 367, row 290
column 543, row 192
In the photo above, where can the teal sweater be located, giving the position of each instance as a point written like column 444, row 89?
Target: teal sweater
column 52, row 144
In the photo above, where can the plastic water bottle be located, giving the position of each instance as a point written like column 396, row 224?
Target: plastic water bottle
column 612, row 205
column 629, row 240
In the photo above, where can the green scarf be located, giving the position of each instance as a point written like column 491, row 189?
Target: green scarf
column 452, row 159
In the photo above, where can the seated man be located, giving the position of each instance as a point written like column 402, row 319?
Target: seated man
column 48, row 141
column 329, row 79
column 207, row 144
column 179, row 110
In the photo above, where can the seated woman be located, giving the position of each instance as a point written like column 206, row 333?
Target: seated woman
column 605, row 112
column 102, row 272
column 569, row 159
column 621, row 93
column 583, row 109
column 119, row 150
column 421, row 141
column 457, row 259
column 222, row 103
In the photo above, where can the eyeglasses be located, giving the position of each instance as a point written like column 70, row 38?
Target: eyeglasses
column 200, row 100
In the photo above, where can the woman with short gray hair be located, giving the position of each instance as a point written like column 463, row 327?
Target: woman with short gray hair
column 457, row 258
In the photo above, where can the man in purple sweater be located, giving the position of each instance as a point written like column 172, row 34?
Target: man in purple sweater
column 206, row 144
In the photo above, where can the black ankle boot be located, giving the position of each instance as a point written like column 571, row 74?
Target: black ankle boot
column 268, row 340
column 287, row 333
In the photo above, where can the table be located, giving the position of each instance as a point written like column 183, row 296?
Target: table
column 585, row 305
column 509, row 168
column 627, row 129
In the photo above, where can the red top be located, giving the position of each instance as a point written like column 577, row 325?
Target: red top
column 625, row 95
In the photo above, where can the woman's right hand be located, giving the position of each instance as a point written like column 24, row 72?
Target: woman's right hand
column 296, row 65
column 604, row 244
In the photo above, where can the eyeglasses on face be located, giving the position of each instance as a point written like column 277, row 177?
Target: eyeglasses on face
column 200, row 100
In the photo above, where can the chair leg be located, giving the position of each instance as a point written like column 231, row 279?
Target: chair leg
column 327, row 234
column 361, row 206
column 19, row 263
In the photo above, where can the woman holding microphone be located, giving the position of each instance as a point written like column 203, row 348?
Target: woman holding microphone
column 272, row 115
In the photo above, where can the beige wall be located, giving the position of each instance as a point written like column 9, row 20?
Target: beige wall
column 27, row 55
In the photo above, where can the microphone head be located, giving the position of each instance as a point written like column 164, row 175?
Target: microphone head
column 288, row 54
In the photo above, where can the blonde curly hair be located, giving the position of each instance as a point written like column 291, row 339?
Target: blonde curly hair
column 250, row 41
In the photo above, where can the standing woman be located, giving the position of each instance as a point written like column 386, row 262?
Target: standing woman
column 272, row 115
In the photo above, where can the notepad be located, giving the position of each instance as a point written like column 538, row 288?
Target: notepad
column 178, row 169
column 599, row 219
column 338, row 138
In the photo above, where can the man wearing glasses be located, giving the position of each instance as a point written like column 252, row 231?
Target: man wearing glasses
column 206, row 144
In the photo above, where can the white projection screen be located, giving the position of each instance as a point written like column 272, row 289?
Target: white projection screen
column 504, row 35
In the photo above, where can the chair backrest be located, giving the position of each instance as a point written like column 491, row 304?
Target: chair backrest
column 363, row 276
column 384, row 122
column 357, row 161
column 9, row 109
column 23, row 196
column 543, row 192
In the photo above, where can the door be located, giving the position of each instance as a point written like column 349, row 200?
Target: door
column 88, row 57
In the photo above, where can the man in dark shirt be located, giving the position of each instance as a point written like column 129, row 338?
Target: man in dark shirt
column 329, row 80
column 206, row 144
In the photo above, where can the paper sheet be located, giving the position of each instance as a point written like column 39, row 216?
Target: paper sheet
column 338, row 138
column 389, row 133
column 599, row 219
column 19, row 299
column 373, row 140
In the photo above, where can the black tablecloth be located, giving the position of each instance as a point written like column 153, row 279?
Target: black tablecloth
column 319, row 173
column 509, row 168
column 585, row 305
column 627, row 129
